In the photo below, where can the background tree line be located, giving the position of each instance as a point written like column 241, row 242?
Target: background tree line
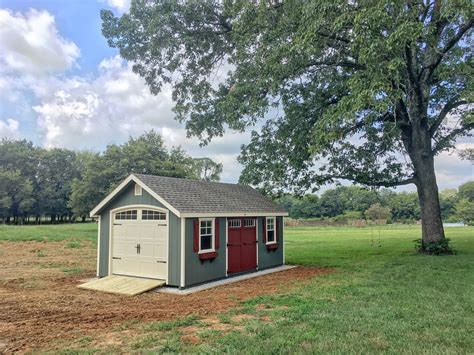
column 355, row 202
column 58, row 185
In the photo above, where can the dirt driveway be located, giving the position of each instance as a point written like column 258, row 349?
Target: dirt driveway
column 41, row 307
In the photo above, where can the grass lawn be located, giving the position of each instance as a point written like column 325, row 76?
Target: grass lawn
column 49, row 233
column 380, row 297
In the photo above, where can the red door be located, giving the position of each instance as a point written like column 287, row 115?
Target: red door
column 242, row 244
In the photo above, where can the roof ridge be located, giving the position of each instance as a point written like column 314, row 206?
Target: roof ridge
column 193, row 180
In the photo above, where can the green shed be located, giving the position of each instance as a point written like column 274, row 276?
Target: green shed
column 187, row 232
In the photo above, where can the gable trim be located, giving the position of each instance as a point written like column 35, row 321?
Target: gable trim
column 124, row 183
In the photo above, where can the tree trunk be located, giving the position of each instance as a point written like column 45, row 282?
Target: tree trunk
column 431, row 222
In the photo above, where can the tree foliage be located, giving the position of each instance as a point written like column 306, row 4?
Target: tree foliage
column 60, row 183
column 357, row 90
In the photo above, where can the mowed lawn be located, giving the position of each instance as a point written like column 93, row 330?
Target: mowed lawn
column 379, row 297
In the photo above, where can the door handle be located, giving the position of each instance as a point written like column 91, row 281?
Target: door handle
column 138, row 247
column 162, row 262
column 116, row 258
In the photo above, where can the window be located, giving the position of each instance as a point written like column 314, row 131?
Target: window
column 148, row 215
column 249, row 222
column 138, row 190
column 206, row 234
column 271, row 238
column 130, row 214
column 234, row 223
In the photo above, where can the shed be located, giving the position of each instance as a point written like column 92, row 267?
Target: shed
column 186, row 232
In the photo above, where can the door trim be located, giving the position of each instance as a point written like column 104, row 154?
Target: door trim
column 151, row 207
column 227, row 241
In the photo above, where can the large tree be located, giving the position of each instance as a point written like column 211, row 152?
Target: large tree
column 367, row 91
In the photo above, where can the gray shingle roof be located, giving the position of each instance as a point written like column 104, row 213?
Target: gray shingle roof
column 194, row 196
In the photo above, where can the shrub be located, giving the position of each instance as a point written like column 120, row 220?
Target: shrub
column 441, row 248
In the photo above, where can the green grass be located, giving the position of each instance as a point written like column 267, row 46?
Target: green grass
column 381, row 298
column 74, row 232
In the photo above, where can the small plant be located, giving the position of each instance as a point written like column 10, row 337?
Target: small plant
column 74, row 244
column 40, row 254
column 441, row 248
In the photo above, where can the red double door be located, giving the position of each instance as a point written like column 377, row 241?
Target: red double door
column 241, row 244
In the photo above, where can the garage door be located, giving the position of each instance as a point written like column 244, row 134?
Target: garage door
column 139, row 243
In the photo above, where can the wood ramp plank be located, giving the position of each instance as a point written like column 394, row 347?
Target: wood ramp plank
column 122, row 285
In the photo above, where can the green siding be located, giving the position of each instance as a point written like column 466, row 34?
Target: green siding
column 125, row 198
column 270, row 258
column 197, row 272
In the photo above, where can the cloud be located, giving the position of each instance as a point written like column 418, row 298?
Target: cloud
column 119, row 5
column 93, row 112
column 31, row 43
column 9, row 128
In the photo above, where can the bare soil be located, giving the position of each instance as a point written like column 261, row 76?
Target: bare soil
column 42, row 309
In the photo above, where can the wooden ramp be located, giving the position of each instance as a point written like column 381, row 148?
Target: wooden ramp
column 122, row 285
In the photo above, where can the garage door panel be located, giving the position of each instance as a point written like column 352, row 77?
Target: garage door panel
column 151, row 257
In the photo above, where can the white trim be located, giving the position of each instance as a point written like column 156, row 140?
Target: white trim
column 274, row 228
column 183, row 252
column 138, row 190
column 151, row 207
column 231, row 214
column 124, row 183
column 98, row 246
column 213, row 235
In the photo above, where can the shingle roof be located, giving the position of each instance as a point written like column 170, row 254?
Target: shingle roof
column 194, row 196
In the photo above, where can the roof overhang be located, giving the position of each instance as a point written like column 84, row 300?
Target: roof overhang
column 118, row 189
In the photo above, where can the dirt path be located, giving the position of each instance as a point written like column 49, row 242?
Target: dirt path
column 40, row 304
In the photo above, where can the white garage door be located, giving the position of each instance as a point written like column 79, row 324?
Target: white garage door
column 139, row 243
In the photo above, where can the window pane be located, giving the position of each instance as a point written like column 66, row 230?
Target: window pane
column 270, row 236
column 206, row 242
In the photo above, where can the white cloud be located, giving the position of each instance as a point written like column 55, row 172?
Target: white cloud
column 31, row 43
column 9, row 128
column 119, row 5
column 91, row 113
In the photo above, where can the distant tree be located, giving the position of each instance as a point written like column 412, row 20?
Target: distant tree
column 206, row 169
column 366, row 87
column 466, row 191
column 377, row 213
column 15, row 195
column 448, row 199
column 404, row 206
column 332, row 202
column 465, row 210
column 101, row 173
column 57, row 168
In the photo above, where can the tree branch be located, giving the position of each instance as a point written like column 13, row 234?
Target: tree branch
column 407, row 181
column 450, row 105
column 445, row 141
column 431, row 67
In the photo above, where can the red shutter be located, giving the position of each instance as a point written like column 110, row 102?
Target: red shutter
column 216, row 234
column 276, row 230
column 196, row 236
column 264, row 229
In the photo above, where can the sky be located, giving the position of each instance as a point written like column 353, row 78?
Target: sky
column 62, row 86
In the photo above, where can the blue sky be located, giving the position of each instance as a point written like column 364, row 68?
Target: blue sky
column 62, row 86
